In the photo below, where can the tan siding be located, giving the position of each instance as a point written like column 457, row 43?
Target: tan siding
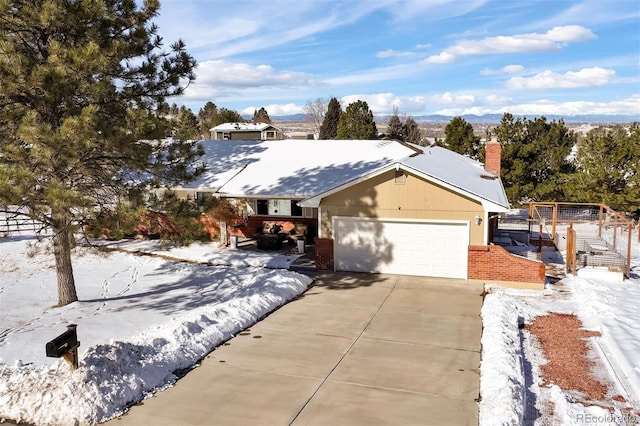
column 415, row 199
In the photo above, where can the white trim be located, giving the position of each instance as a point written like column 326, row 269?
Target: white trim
column 319, row 232
column 485, row 224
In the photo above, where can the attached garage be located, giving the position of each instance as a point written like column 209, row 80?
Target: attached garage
column 401, row 246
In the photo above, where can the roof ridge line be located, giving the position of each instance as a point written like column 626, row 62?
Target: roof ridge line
column 417, row 151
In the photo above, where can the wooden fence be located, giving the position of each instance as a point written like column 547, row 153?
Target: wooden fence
column 12, row 222
column 599, row 235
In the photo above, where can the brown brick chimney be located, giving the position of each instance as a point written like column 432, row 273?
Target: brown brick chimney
column 493, row 156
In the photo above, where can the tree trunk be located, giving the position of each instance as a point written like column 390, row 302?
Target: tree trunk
column 64, row 270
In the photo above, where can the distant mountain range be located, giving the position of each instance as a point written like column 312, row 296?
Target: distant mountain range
column 487, row 118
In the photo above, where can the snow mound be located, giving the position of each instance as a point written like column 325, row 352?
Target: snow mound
column 502, row 382
column 112, row 377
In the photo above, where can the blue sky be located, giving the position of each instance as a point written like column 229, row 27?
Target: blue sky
column 451, row 57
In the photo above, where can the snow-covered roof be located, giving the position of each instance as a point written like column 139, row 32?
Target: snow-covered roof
column 236, row 127
column 290, row 168
column 302, row 169
column 460, row 172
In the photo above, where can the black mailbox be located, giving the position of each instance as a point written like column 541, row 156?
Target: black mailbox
column 64, row 343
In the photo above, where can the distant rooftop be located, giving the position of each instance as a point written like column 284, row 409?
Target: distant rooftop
column 230, row 127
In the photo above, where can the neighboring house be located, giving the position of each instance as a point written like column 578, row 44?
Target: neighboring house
column 376, row 206
column 246, row 131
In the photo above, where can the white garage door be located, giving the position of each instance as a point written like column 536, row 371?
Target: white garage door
column 432, row 249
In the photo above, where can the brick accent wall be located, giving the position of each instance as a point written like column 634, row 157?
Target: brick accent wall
column 494, row 263
column 324, row 253
column 254, row 223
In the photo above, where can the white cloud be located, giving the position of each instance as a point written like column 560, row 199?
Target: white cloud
column 593, row 12
column 508, row 69
column 586, row 77
column 222, row 79
column 497, row 100
column 373, row 75
column 432, row 10
column 275, row 110
column 386, row 103
column 227, row 28
column 461, row 104
column 245, row 75
column 628, row 106
column 383, row 103
column 441, row 58
column 448, row 98
column 553, row 40
column 390, row 53
column 513, row 69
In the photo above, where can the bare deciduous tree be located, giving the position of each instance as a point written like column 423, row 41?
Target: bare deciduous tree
column 314, row 113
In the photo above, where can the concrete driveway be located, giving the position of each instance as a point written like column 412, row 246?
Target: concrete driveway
column 355, row 349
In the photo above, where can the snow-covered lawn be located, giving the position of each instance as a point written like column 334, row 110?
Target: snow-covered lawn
column 140, row 319
column 511, row 359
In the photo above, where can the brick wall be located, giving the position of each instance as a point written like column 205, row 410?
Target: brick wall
column 249, row 228
column 255, row 223
column 493, row 157
column 494, row 263
column 324, row 253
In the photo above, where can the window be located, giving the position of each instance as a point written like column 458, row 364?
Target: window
column 263, row 207
column 295, row 209
column 398, row 178
column 202, row 196
column 279, row 208
column 270, row 134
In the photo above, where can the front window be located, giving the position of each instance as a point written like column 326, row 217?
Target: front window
column 279, row 208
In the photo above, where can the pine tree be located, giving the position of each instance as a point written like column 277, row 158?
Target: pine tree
column 228, row 116
column 459, row 137
column 211, row 116
column 535, row 158
column 206, row 118
column 187, row 125
column 357, row 122
column 79, row 85
column 608, row 168
column 261, row 116
column 329, row 128
column 412, row 132
column 395, row 129
column 174, row 111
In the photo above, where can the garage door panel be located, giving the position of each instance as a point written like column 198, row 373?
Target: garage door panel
column 436, row 249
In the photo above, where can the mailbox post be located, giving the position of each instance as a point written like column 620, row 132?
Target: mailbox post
column 65, row 346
